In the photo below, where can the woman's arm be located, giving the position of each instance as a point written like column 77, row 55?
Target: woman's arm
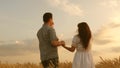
column 72, row 48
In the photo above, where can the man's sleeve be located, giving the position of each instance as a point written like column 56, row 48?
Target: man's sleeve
column 52, row 34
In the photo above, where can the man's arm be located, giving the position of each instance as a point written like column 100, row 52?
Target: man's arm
column 56, row 43
column 53, row 38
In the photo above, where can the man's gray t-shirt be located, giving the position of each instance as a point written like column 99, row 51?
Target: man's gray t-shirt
column 45, row 35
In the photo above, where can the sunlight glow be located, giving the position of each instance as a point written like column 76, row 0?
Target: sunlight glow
column 116, row 19
column 17, row 42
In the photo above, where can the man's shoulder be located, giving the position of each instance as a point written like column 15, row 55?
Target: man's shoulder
column 50, row 28
column 47, row 27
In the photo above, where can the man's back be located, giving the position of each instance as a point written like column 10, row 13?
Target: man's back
column 45, row 35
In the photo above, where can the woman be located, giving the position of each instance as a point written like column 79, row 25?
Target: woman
column 81, row 42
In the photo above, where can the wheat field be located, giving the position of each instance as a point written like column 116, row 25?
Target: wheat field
column 104, row 63
column 108, row 63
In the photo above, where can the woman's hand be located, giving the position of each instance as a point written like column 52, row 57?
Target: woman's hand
column 63, row 43
column 72, row 48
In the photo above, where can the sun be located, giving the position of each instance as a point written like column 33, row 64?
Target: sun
column 17, row 42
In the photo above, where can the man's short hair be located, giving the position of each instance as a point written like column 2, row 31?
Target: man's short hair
column 47, row 16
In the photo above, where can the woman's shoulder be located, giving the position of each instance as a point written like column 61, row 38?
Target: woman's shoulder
column 76, row 37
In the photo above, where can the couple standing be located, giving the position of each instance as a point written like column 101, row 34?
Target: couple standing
column 48, row 43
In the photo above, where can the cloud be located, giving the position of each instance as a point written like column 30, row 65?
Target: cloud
column 112, row 7
column 114, row 25
column 115, row 49
column 1, row 42
column 105, row 34
column 116, row 17
column 110, row 3
column 16, row 49
column 67, row 6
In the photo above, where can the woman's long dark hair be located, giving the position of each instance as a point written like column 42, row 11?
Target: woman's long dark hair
column 84, row 34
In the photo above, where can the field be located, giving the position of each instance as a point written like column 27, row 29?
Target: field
column 108, row 63
column 104, row 63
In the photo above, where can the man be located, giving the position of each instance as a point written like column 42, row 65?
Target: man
column 48, row 42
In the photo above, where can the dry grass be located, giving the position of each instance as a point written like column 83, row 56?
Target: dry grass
column 31, row 65
column 108, row 63
column 104, row 63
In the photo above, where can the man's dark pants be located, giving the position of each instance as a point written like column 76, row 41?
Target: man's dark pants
column 51, row 63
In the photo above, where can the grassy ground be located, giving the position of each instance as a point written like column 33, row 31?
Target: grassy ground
column 108, row 63
column 104, row 63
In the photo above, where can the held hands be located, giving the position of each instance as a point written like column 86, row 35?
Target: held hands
column 62, row 43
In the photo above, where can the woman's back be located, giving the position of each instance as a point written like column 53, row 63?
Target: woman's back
column 83, row 57
column 81, row 43
column 76, row 42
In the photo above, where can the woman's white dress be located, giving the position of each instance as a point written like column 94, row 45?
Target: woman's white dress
column 83, row 58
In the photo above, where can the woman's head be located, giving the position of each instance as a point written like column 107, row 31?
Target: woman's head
column 84, row 33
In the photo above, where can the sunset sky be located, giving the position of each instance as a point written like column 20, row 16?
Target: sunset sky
column 21, row 19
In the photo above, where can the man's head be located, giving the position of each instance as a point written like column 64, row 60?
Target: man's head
column 47, row 18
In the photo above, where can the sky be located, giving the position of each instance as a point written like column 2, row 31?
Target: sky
column 21, row 19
